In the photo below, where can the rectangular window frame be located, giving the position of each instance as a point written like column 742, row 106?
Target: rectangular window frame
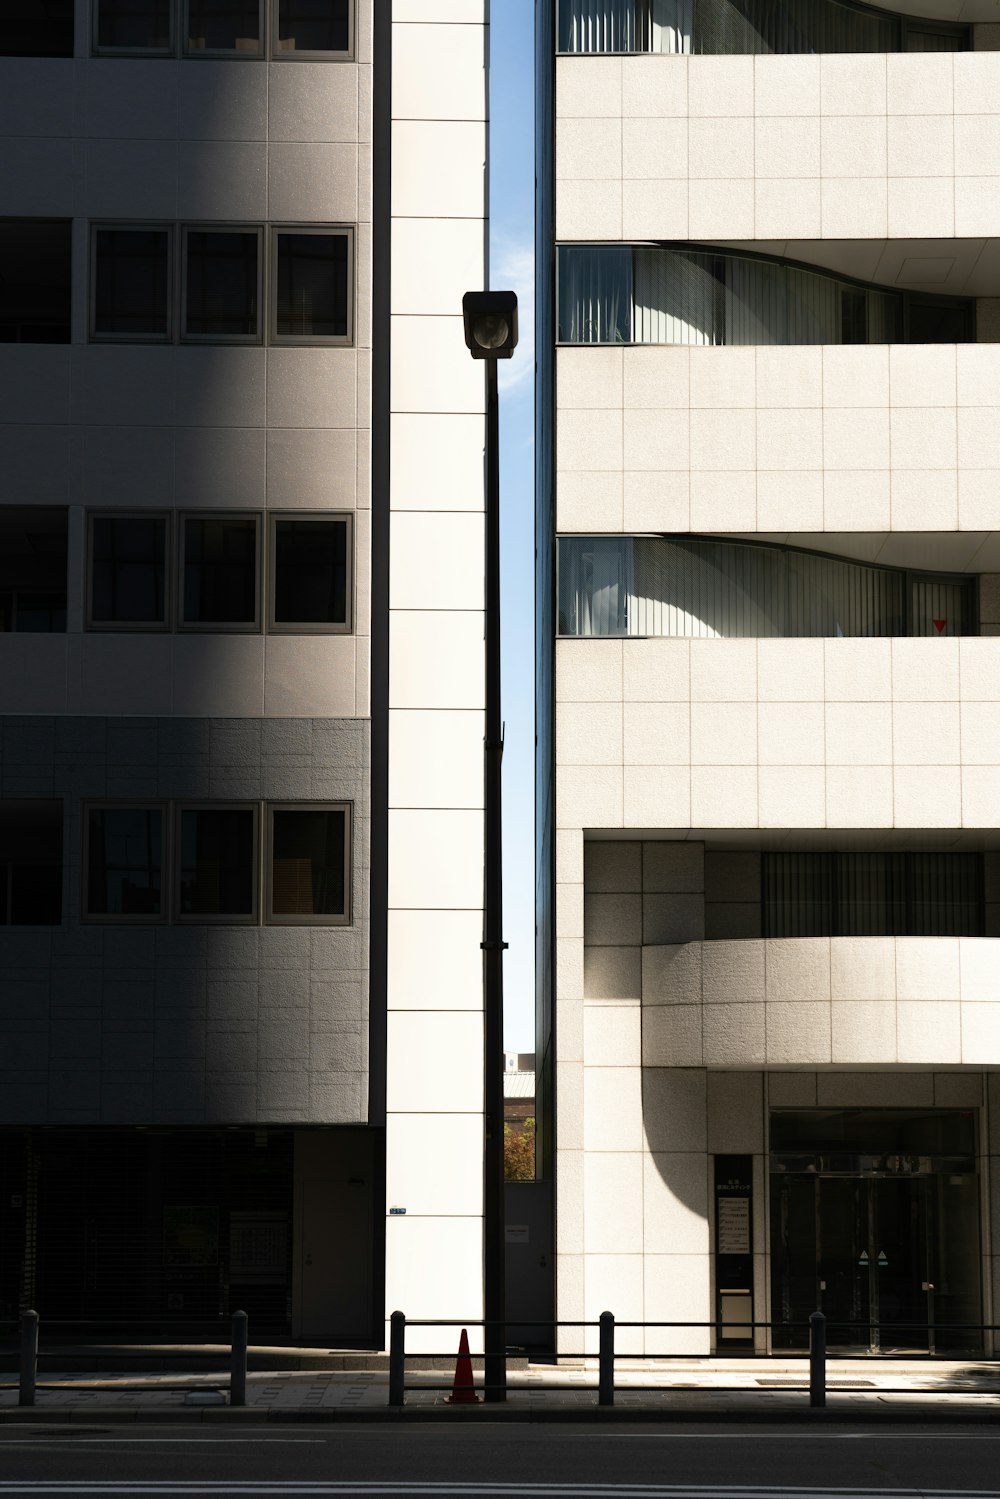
column 305, row 340
column 179, row 918
column 269, row 918
column 198, row 627
column 130, row 627
column 98, row 51
column 155, row 804
column 228, row 53
column 275, row 627
column 277, row 55
column 246, row 339
column 168, row 227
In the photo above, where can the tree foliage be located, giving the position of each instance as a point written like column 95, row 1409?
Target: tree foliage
column 519, row 1152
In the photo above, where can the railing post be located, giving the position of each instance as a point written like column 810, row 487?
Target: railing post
column 29, row 1358
column 606, row 1361
column 817, row 1359
column 238, row 1360
column 397, row 1359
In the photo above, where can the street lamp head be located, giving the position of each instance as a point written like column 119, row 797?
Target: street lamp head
column 490, row 323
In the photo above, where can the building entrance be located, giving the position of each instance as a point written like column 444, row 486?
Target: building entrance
column 875, row 1221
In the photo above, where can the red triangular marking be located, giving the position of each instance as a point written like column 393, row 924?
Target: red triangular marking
column 939, row 624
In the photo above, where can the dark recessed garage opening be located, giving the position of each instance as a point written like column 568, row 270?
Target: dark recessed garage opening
column 35, row 257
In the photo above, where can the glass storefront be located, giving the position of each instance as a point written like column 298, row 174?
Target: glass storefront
column 875, row 1221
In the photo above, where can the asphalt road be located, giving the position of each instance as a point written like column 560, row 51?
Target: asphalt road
column 522, row 1461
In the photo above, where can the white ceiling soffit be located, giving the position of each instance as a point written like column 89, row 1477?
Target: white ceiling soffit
column 961, row 267
column 933, row 551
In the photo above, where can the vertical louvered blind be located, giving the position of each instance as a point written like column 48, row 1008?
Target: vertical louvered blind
column 872, row 895
column 649, row 585
column 614, row 294
column 727, row 27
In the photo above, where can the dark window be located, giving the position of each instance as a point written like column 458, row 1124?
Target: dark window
column 35, row 256
column 223, row 26
column 719, row 27
column 309, row 855
column 128, row 570
column 313, row 26
column 872, row 895
column 853, row 316
column 221, row 294
column 124, row 861
column 133, row 25
column 312, row 285
column 615, row 294
column 220, row 570
column 132, row 283
column 31, row 859
column 36, row 28
column 934, row 320
column 218, row 866
column 310, row 582
column 32, row 569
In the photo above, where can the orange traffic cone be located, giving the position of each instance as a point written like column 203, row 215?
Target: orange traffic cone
column 463, row 1391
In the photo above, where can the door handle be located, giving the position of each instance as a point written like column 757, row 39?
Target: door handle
column 927, row 1285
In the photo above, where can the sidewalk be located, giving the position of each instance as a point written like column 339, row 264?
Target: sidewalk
column 698, row 1389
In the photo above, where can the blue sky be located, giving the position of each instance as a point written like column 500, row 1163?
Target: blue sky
column 512, row 179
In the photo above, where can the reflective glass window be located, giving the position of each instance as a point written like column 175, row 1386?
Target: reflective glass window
column 309, row 861
column 217, row 874
column 125, row 861
column 131, row 283
column 222, row 286
column 133, row 25
column 310, row 577
column 219, row 567
column 128, row 570
column 312, row 282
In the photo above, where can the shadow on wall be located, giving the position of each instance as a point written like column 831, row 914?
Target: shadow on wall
column 676, row 1239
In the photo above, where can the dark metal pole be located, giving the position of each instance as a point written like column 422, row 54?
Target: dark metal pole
column 493, row 943
column 397, row 1358
column 606, row 1361
column 239, row 1338
column 817, row 1359
column 29, row 1358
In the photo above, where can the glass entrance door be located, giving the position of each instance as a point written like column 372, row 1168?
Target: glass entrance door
column 872, row 1257
column 876, row 1225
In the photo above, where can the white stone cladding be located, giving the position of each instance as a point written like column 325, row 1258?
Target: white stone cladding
column 832, row 147
column 678, row 1026
column 434, row 1082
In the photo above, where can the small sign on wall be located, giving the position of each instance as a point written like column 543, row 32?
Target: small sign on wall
column 734, row 1248
column 517, row 1233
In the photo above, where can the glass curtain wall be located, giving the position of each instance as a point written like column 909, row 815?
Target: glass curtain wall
column 722, row 27
column 617, row 294
column 651, row 585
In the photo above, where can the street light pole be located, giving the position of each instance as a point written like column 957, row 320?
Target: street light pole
column 494, row 1257
column 491, row 334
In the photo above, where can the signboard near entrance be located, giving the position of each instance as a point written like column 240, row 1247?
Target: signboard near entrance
column 734, row 1249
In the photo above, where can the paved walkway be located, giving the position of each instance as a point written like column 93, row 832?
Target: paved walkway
column 745, row 1389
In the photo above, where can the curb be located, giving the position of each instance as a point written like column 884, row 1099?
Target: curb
column 497, row 1415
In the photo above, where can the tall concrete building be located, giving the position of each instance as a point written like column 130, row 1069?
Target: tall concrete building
column 769, row 712
column 241, row 605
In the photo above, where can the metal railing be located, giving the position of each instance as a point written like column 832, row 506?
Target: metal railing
column 28, row 1382
column 607, row 1326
